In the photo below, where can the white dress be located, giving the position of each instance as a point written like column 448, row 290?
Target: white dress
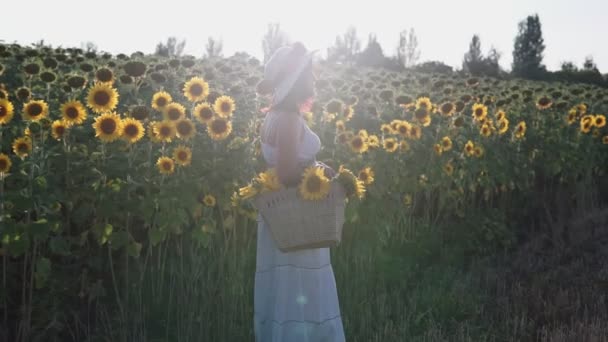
column 295, row 295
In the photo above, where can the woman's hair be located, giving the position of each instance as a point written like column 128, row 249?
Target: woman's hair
column 301, row 92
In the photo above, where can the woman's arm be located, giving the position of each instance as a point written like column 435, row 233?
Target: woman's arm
column 288, row 134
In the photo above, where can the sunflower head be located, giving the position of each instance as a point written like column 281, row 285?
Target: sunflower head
column 164, row 130
column 132, row 130
column 58, row 129
column 469, row 148
column 174, row 111
column 424, row 102
column 182, row 155
column 6, row 111
column 22, row 147
column 599, row 121
column 185, row 129
column 390, row 144
column 314, row 185
column 269, row 180
column 73, row 112
column 196, row 89
column 520, row 130
column 219, row 128
column 358, row 144
column 480, row 111
column 366, row 175
column 160, row 100
column 209, row 200
column 446, row 143
column 503, row 126
column 224, row 106
column 102, row 98
column 203, row 112
column 140, row 113
column 108, row 127
column 485, row 130
column 104, row 75
column 354, row 186
column 544, row 102
column 448, row 169
column 165, row 165
column 447, row 108
column 35, row 110
column 5, row 164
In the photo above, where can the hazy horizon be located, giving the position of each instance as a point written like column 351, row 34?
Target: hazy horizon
column 444, row 28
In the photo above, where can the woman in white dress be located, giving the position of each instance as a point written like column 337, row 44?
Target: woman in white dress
column 295, row 295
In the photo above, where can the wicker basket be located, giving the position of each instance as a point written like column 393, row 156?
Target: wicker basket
column 297, row 224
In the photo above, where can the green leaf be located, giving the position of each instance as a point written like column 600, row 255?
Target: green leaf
column 60, row 246
column 134, row 249
column 119, row 239
column 156, row 236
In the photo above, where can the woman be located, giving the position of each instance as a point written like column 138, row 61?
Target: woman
column 295, row 295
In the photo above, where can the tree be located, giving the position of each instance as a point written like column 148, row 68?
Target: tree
column 433, row 67
column 345, row 48
column 273, row 39
column 172, row 48
column 213, row 48
column 476, row 64
column 528, row 49
column 407, row 50
column 88, row 46
column 372, row 56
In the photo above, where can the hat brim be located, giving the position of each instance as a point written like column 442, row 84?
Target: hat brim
column 281, row 90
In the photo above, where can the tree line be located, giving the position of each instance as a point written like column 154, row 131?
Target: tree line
column 528, row 53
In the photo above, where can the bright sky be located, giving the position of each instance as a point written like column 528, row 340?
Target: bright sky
column 572, row 29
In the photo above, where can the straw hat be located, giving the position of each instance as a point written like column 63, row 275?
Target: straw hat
column 283, row 70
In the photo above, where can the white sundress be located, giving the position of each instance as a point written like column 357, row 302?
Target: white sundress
column 295, row 295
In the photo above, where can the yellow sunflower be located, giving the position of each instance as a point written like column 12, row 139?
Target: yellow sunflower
column 404, row 146
column 390, row 144
column 182, row 155
column 358, row 144
column 248, row 191
column 438, row 149
column 108, row 127
column 22, row 147
column 35, row 110
column 6, row 111
column 73, row 112
column 165, row 165
column 479, row 111
column 478, row 151
column 387, row 129
column 543, row 103
column 403, row 128
column 347, row 112
column 5, row 163
column 185, row 129
column 520, row 130
column 203, row 112
column 469, row 148
column 354, row 186
column 448, row 169
column 485, row 130
column 269, row 180
column 160, row 100
column 500, row 115
column 132, row 130
column 165, row 130
column 446, row 143
column 586, row 123
column 219, row 128
column 599, row 121
column 424, row 102
column 605, row 140
column 174, row 111
column 366, row 175
column 373, row 141
column 340, row 126
column 572, row 117
column 209, row 200
column 196, row 89
column 102, row 98
column 58, row 129
column 503, row 126
column 151, row 132
column 224, row 106
column 314, row 184
column 415, row 132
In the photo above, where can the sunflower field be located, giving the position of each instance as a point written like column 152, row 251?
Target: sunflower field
column 122, row 177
